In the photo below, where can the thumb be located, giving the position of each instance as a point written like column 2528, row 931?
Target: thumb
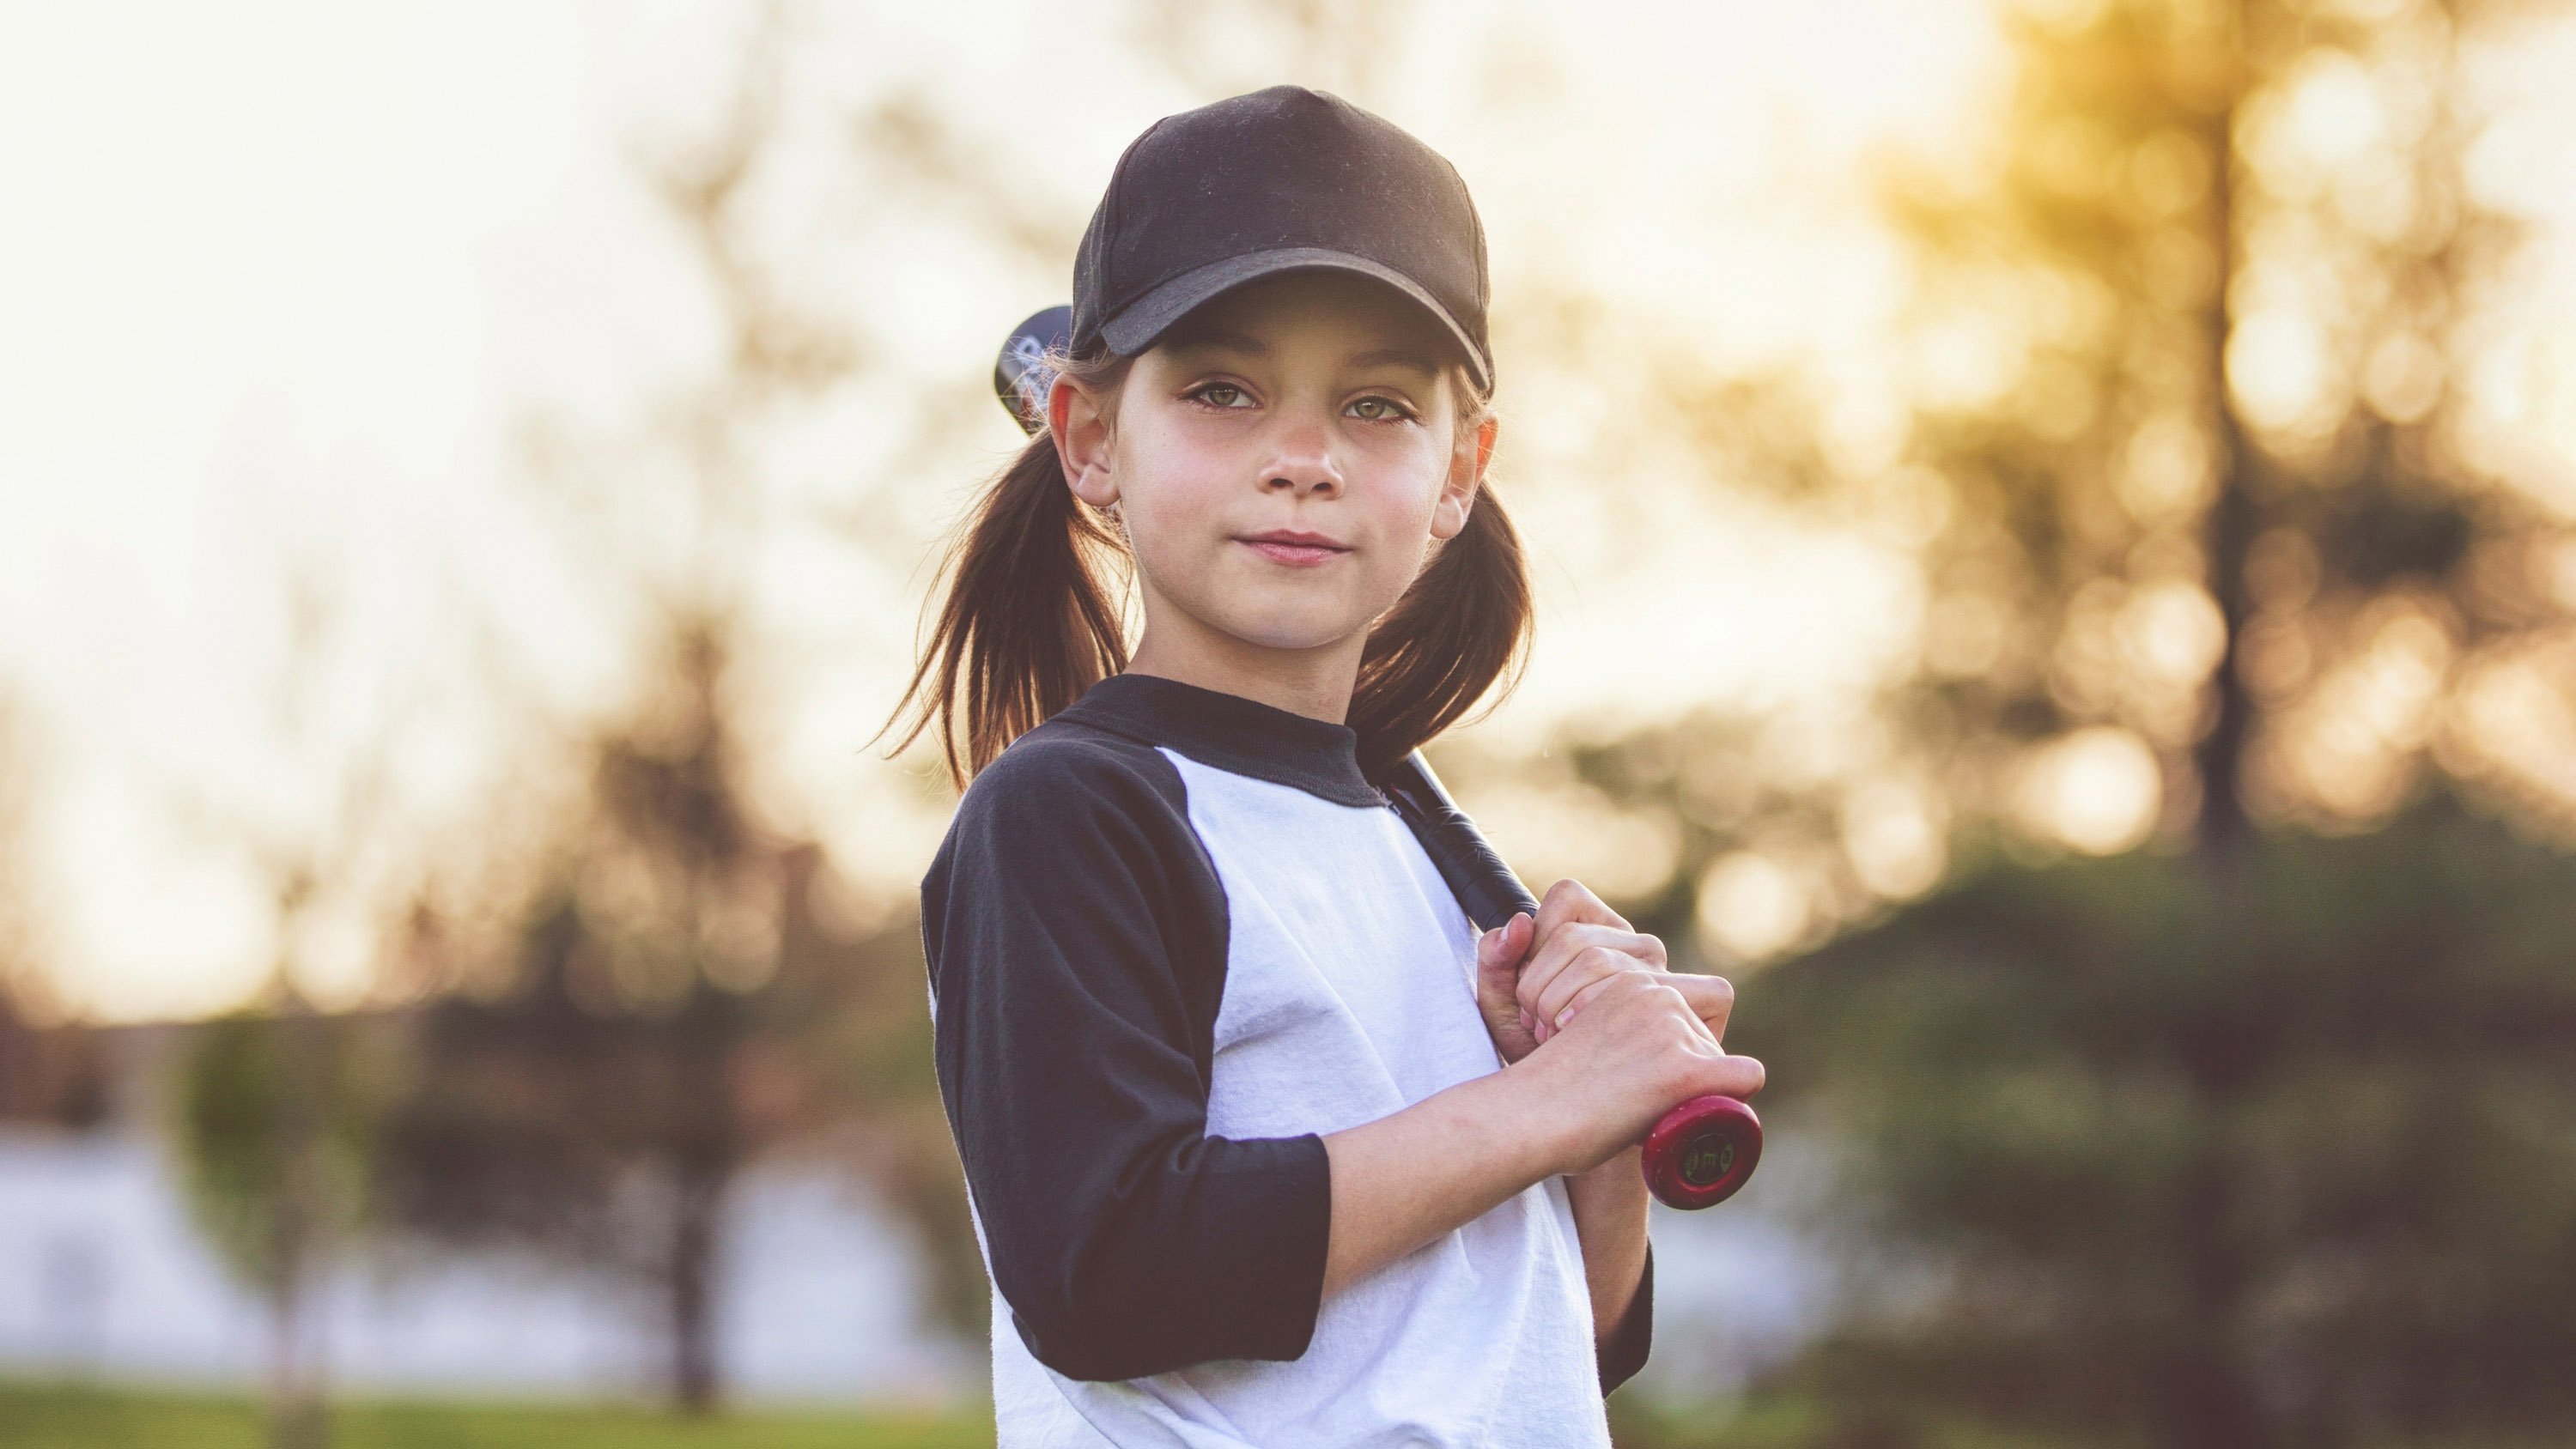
column 1498, row 969
column 1498, row 960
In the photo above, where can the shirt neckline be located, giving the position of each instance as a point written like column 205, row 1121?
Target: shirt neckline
column 1231, row 733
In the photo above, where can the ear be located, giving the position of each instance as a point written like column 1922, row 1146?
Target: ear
column 1080, row 423
column 1466, row 475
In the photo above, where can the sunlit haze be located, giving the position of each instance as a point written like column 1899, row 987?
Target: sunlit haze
column 289, row 291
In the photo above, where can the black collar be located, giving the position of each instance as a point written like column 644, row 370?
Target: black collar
column 1231, row 733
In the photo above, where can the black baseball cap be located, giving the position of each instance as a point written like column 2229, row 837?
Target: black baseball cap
column 1281, row 180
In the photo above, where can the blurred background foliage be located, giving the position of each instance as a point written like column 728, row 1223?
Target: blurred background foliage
column 2283, row 1156
column 2259, row 1130
column 2167, row 949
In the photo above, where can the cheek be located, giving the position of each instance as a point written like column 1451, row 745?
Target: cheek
column 1403, row 492
column 1170, row 503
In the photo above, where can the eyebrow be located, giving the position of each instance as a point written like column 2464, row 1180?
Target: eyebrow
column 1220, row 340
column 1403, row 357
column 1251, row 346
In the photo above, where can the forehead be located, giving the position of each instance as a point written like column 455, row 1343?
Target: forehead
column 1338, row 312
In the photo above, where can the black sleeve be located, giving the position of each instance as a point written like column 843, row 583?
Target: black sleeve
column 1076, row 937
column 1624, row 1350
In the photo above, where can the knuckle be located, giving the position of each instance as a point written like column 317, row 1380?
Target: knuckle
column 1623, row 988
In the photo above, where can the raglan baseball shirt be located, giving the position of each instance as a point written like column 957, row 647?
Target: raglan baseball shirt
column 1174, row 937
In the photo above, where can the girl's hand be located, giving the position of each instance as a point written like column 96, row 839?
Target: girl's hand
column 1636, row 1050
column 1581, row 944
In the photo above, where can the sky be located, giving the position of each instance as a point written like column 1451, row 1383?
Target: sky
column 286, row 286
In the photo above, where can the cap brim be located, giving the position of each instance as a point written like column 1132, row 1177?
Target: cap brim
column 1150, row 316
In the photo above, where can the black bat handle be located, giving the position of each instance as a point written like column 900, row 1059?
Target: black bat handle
column 1702, row 1150
column 1486, row 888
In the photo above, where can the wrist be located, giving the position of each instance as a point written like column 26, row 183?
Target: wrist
column 1539, row 1111
column 1621, row 1179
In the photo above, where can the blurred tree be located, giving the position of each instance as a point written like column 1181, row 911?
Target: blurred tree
column 2217, row 533
column 275, row 1106
column 2221, row 546
column 51, row 1069
column 2192, row 363
column 2026, row 1064
column 683, row 998
column 686, row 997
column 274, row 1119
column 687, row 987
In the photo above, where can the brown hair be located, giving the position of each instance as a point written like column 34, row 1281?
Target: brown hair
column 1028, row 624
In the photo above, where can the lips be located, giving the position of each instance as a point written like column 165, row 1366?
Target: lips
column 1294, row 548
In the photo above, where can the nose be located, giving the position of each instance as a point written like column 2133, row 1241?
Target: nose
column 1302, row 462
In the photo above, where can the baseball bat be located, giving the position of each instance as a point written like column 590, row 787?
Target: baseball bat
column 1701, row 1151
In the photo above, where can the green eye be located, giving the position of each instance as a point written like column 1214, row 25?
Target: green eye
column 1221, row 394
column 1377, row 409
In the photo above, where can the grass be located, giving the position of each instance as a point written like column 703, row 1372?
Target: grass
column 1793, row 1421
column 58, row 1416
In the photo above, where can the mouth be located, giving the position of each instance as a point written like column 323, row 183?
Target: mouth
column 1295, row 549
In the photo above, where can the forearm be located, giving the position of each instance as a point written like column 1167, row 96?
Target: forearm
column 1610, row 1206
column 1406, row 1179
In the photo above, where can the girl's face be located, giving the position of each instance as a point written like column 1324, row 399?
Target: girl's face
column 1282, row 461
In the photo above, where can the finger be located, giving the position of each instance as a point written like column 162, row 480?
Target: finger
column 1570, row 904
column 1557, row 907
column 1583, row 999
column 1731, row 1076
column 1711, row 999
column 1596, row 950
column 1568, row 901
column 1548, row 954
column 1495, row 958
column 1594, row 965
column 1573, row 936
column 1496, row 968
column 1499, row 954
column 1556, row 953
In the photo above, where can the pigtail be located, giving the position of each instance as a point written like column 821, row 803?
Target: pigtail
column 1464, row 625
column 1028, row 625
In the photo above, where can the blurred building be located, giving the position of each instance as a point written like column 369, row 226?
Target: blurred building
column 102, row 1274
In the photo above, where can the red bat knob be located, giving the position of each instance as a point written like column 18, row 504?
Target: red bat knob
column 1702, row 1151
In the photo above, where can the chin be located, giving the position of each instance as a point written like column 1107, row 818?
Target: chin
column 1290, row 630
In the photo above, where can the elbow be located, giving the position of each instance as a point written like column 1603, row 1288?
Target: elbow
column 1102, row 1335
column 1108, row 1344
column 1086, row 1357
column 1209, row 1260
column 1081, row 1341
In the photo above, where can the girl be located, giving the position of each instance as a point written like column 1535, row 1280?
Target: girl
column 1266, row 1146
